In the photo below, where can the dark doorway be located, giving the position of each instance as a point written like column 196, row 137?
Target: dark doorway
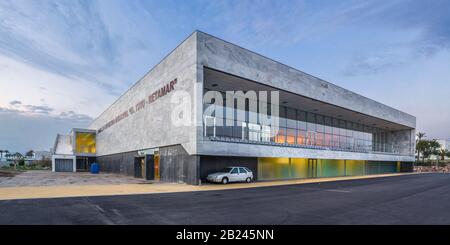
column 139, row 167
column 152, row 166
column 84, row 163
column 149, row 165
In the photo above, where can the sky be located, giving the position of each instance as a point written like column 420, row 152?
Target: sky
column 63, row 62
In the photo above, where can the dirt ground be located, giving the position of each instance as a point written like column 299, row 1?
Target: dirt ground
column 48, row 178
column 4, row 173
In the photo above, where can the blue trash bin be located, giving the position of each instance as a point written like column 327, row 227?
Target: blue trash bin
column 95, row 168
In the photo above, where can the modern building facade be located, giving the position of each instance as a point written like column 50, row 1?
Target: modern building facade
column 170, row 125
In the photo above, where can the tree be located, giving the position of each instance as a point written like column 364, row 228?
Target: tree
column 420, row 136
column 17, row 155
column 421, row 147
column 443, row 153
column 430, row 147
column 29, row 154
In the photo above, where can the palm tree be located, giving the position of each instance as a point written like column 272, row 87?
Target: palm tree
column 29, row 154
column 1, row 154
column 17, row 155
column 420, row 136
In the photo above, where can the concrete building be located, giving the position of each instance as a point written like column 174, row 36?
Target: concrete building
column 164, row 128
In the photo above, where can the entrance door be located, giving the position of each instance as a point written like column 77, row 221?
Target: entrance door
column 63, row 165
column 312, row 168
column 139, row 167
column 142, row 163
column 156, row 165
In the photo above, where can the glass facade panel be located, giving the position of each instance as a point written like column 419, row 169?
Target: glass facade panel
column 290, row 136
column 85, row 143
column 282, row 168
column 354, row 167
column 330, row 168
column 288, row 168
column 297, row 127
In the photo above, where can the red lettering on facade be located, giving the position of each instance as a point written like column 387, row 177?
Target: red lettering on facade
column 162, row 91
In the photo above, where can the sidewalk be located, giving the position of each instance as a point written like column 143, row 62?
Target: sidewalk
column 31, row 192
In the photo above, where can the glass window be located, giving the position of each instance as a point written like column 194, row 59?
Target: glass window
column 301, row 137
column 234, row 171
column 290, row 136
column 328, row 140
column 311, row 117
column 265, row 133
column 282, row 119
column 291, row 118
column 319, row 139
column 335, row 140
column 301, row 120
column 311, row 127
column 254, row 132
column 328, row 123
column 242, row 171
column 310, row 140
column 85, row 142
column 342, row 126
column 225, row 170
column 320, row 124
column 280, row 137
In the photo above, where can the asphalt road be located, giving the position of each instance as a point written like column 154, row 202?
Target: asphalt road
column 410, row 199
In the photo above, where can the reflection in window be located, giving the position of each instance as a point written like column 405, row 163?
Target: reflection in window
column 85, row 143
column 298, row 127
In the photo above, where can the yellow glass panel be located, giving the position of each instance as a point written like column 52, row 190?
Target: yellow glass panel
column 270, row 168
column 85, row 143
column 354, row 167
column 299, row 167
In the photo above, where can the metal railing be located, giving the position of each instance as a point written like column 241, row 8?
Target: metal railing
column 245, row 135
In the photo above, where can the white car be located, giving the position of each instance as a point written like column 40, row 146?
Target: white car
column 231, row 174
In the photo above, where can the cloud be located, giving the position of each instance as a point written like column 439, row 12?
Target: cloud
column 32, row 111
column 372, row 64
column 21, row 132
column 15, row 102
column 71, row 115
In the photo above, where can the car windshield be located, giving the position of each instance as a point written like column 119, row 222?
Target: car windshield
column 225, row 170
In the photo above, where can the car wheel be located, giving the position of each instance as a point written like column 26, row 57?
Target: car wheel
column 225, row 181
column 248, row 180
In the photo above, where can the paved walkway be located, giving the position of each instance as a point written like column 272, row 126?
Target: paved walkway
column 47, row 178
column 30, row 192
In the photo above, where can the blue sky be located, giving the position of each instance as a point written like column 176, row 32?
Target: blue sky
column 63, row 62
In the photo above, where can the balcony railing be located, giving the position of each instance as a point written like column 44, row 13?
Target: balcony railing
column 298, row 139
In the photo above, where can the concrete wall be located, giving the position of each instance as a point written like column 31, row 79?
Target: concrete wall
column 176, row 165
column 152, row 126
column 227, row 57
column 122, row 163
